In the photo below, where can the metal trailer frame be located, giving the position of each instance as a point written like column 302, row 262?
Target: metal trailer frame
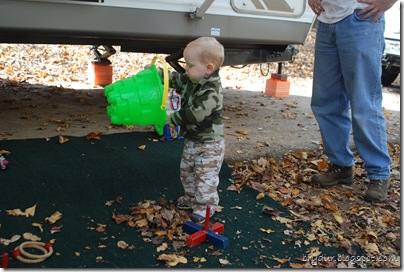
column 252, row 31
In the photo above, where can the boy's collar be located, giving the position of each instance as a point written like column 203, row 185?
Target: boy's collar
column 211, row 77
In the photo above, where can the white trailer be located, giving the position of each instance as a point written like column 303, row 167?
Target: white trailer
column 252, row 31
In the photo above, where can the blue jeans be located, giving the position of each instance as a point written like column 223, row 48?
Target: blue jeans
column 347, row 92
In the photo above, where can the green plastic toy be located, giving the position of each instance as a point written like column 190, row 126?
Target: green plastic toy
column 139, row 100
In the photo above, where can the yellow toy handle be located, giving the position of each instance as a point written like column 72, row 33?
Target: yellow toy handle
column 165, row 73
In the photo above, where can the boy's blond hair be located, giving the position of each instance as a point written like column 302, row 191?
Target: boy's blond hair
column 210, row 50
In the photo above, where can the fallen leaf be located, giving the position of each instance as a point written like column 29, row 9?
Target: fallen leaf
column 314, row 252
column 287, row 202
column 270, row 211
column 388, row 219
column 322, row 165
column 31, row 237
column 269, row 231
column 224, row 262
column 122, row 244
column 100, row 227
column 109, row 203
column 301, row 154
column 55, row 120
column 199, row 259
column 161, row 233
column 142, row 147
column 39, row 226
column 54, row 217
column 141, row 223
column 372, row 248
column 326, row 198
column 30, row 211
column 162, row 247
column 13, row 239
column 172, row 259
column 242, row 138
column 56, row 229
column 233, row 187
column 338, row 218
column 260, row 196
column 242, row 132
column 62, row 139
column 289, row 115
column 391, row 236
column 93, row 136
column 120, row 218
column 63, row 127
column 17, row 212
column 280, row 260
column 283, row 220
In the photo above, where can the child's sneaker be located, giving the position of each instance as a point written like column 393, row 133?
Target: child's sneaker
column 196, row 218
column 183, row 204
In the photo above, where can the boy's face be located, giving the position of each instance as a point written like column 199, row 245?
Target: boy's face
column 194, row 67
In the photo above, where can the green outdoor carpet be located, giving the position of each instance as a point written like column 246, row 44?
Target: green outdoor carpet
column 77, row 178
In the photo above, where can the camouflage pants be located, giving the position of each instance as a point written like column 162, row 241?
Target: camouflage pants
column 200, row 167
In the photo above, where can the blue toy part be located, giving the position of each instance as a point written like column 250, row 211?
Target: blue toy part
column 171, row 132
column 217, row 239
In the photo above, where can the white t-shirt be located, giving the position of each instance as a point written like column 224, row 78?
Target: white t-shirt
column 336, row 10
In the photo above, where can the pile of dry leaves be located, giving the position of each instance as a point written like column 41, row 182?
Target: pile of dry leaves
column 159, row 222
column 339, row 216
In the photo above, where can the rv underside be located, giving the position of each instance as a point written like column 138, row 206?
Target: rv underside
column 246, row 38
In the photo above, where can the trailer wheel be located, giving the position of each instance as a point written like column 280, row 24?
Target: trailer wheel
column 388, row 76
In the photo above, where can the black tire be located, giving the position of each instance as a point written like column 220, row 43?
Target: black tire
column 388, row 76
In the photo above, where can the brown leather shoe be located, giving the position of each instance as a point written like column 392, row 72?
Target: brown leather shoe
column 335, row 174
column 377, row 190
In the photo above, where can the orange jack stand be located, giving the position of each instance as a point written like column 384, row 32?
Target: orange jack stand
column 100, row 73
column 199, row 235
column 277, row 85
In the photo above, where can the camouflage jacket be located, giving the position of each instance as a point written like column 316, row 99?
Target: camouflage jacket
column 200, row 116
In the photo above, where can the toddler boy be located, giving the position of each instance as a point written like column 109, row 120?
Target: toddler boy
column 201, row 121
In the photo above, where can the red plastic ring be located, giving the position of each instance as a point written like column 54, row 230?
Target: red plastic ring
column 48, row 246
column 16, row 253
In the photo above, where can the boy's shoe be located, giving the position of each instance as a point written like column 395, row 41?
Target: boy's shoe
column 196, row 218
column 183, row 204
column 377, row 190
column 334, row 175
